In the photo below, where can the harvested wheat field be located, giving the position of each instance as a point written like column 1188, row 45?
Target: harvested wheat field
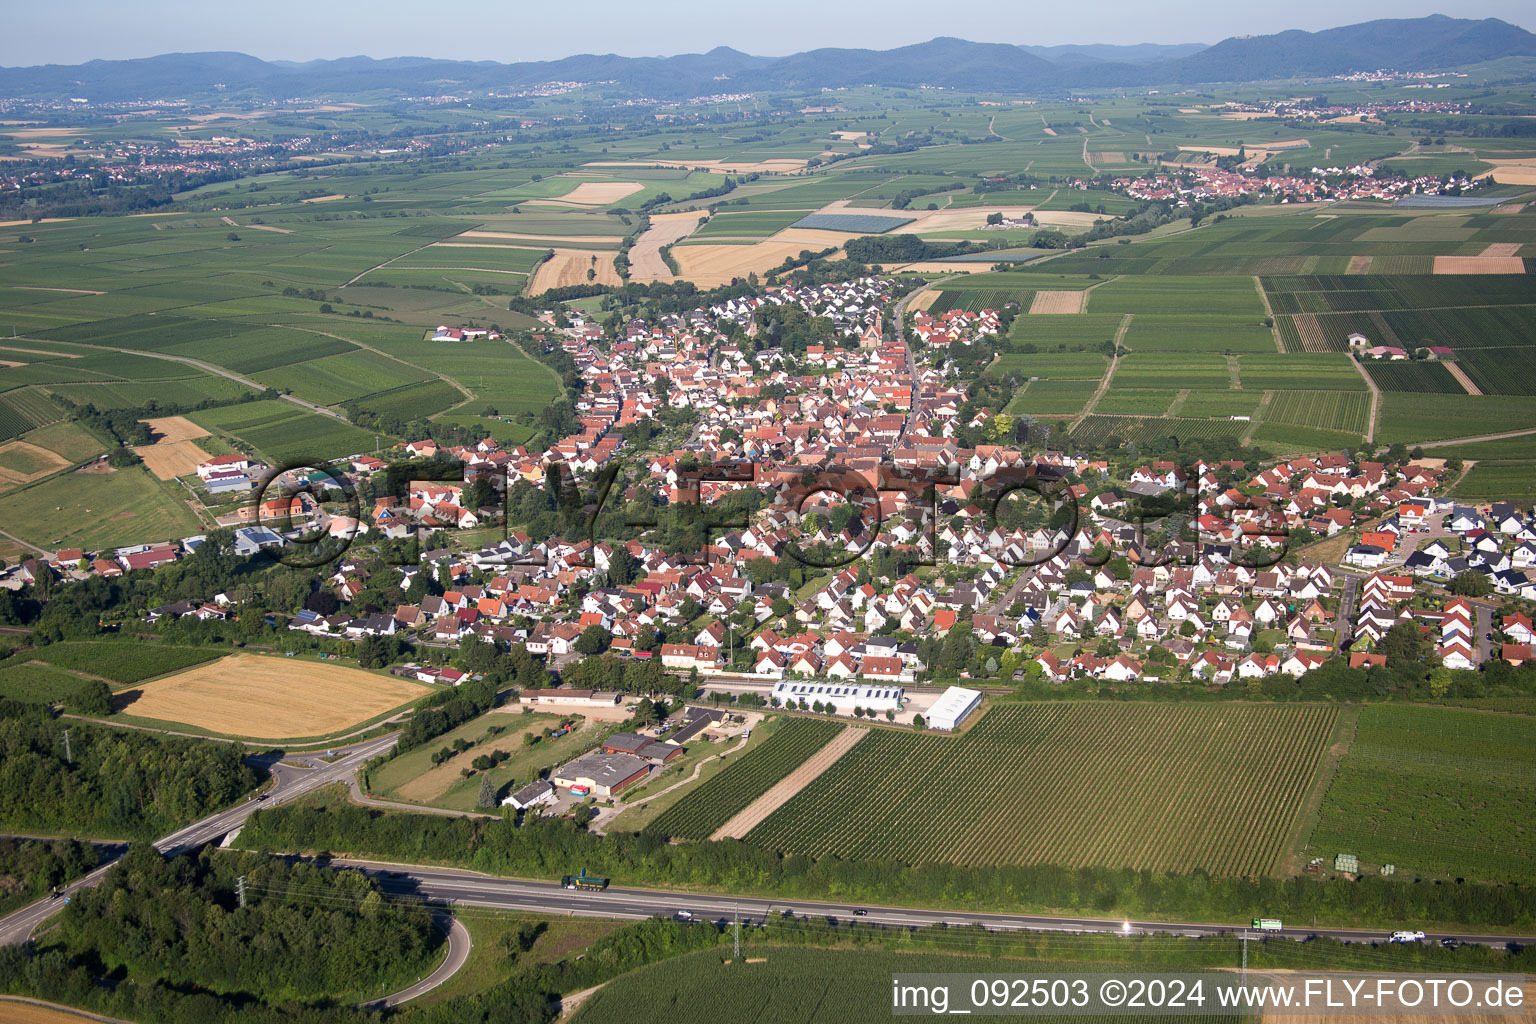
column 174, row 428
column 922, row 300
column 1058, row 302
column 1502, row 249
column 262, row 698
column 1479, row 265
column 593, row 193
column 21, row 463
column 15, row 1010
column 1516, row 172
column 569, row 266
column 645, row 262
column 171, row 459
column 711, row 265
column 1359, row 265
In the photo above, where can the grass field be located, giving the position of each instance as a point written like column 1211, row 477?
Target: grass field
column 265, row 698
column 96, row 510
column 1436, row 790
column 1169, row 787
column 413, row 777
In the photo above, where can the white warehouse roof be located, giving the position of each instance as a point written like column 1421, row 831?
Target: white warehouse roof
column 953, row 707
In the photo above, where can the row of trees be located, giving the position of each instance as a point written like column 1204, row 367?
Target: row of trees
column 549, row 848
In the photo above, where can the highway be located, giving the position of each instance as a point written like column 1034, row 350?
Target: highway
column 288, row 783
column 458, row 888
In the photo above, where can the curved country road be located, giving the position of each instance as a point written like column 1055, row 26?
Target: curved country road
column 459, row 946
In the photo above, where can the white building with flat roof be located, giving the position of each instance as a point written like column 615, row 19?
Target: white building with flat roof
column 953, row 707
column 842, row 695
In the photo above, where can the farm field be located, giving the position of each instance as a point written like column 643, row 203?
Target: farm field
column 267, row 698
column 1052, row 397
column 796, row 985
column 1179, row 296
column 32, row 682
column 1436, row 790
column 122, row 663
column 1411, row 418
column 1158, row 333
column 853, row 223
column 283, row 431
column 96, row 510
column 1162, row 786
column 1504, row 480
column 413, row 777
column 706, row 809
column 1324, row 410
column 1097, row 429
column 1425, row 378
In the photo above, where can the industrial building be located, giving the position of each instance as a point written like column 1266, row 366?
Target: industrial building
column 601, row 775
column 844, row 696
column 954, row 706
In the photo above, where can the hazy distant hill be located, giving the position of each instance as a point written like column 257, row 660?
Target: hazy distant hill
column 1435, row 42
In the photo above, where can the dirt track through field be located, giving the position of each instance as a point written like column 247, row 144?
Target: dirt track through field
column 784, row 790
column 1466, row 382
column 645, row 262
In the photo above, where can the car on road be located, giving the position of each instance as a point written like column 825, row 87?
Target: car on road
column 1450, row 943
column 684, row 915
column 262, row 796
column 861, row 913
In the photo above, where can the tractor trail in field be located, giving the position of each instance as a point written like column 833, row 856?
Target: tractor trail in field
column 784, row 790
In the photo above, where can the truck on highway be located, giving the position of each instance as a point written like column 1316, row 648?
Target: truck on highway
column 1266, row 924
column 584, row 881
column 1407, row 937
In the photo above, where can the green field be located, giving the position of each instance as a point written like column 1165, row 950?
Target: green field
column 1425, row 378
column 283, row 431
column 1179, row 296
column 1506, row 480
column 753, row 224
column 97, row 510
column 701, row 812
column 1170, row 787
column 1324, row 410
column 1408, row 418
column 1435, row 790
column 123, row 663
column 1152, row 333
column 789, row 985
column 1052, row 397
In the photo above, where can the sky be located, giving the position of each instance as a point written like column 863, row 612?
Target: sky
column 519, row 30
